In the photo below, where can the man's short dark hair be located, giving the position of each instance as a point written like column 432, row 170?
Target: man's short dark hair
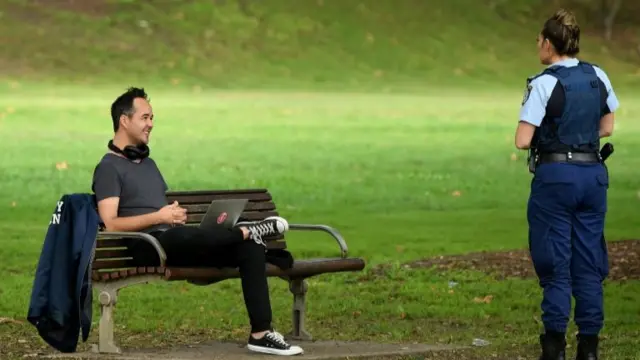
column 123, row 105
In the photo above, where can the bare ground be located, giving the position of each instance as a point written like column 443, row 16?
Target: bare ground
column 624, row 262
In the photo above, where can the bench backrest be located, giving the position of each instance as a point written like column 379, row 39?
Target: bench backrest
column 113, row 255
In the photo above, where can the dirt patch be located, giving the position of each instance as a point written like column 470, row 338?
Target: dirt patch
column 87, row 7
column 624, row 262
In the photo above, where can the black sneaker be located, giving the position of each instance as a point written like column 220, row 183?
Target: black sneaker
column 271, row 226
column 273, row 343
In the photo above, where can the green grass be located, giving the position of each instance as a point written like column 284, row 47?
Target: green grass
column 380, row 168
column 364, row 115
column 374, row 45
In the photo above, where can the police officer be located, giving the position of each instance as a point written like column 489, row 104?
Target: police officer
column 565, row 111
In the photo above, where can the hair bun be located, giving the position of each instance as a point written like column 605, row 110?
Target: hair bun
column 565, row 18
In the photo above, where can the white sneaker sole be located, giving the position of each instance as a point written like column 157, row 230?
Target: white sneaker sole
column 294, row 350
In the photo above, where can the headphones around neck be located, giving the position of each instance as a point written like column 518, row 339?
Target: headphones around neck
column 131, row 152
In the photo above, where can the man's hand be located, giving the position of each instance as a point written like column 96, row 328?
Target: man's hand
column 173, row 214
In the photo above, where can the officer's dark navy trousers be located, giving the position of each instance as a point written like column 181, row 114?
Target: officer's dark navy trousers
column 566, row 215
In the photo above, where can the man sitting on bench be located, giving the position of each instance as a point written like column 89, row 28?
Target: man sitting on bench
column 130, row 192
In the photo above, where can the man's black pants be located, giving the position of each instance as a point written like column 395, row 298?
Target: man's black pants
column 188, row 246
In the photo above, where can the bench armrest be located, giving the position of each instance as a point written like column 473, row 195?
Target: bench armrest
column 136, row 235
column 324, row 228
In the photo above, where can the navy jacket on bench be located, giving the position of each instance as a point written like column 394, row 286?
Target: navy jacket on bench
column 61, row 296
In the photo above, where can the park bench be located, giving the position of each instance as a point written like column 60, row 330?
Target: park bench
column 113, row 268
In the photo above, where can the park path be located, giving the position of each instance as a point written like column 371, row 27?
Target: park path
column 317, row 350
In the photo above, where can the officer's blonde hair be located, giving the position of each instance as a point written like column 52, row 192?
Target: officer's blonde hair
column 563, row 31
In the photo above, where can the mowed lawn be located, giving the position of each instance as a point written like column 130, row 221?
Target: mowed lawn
column 403, row 177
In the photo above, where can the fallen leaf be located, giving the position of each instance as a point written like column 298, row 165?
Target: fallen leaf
column 403, row 315
column 370, row 38
column 62, row 165
column 456, row 193
column 514, row 157
column 175, row 81
column 487, row 299
column 356, row 314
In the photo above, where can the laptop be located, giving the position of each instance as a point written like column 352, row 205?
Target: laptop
column 223, row 212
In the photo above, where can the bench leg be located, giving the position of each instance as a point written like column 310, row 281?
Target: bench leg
column 108, row 298
column 298, row 288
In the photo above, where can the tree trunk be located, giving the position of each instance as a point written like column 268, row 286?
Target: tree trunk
column 609, row 12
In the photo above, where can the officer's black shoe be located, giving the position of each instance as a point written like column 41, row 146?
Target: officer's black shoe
column 587, row 347
column 553, row 346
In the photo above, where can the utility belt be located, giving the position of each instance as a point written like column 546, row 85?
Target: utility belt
column 537, row 158
column 569, row 157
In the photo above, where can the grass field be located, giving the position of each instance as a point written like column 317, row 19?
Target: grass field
column 331, row 45
column 380, row 168
column 392, row 121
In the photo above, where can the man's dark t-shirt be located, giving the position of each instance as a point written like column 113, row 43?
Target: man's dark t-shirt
column 140, row 186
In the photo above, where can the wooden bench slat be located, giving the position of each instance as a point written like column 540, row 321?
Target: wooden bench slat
column 112, row 243
column 208, row 197
column 301, row 269
column 197, row 208
column 216, row 192
column 112, row 264
column 124, row 273
column 112, row 253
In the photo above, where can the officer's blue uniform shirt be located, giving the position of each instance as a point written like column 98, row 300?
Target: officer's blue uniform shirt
column 539, row 91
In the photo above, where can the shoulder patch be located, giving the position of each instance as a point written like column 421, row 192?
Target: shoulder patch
column 527, row 92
